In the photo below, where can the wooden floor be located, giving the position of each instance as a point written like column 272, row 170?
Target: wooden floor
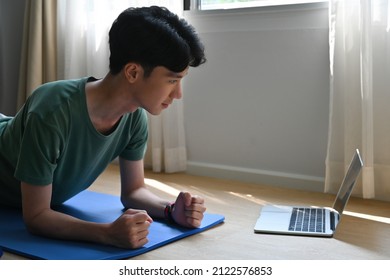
column 364, row 232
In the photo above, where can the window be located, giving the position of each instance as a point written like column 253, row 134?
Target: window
column 236, row 4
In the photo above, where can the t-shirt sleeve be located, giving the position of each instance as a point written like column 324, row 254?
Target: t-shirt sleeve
column 136, row 148
column 39, row 152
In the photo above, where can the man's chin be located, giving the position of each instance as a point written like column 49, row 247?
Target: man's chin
column 154, row 112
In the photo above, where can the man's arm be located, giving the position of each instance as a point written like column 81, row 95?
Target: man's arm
column 128, row 231
column 188, row 210
column 134, row 193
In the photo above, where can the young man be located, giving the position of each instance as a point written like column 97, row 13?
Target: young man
column 69, row 131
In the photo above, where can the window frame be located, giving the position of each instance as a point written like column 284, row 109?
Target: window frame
column 194, row 5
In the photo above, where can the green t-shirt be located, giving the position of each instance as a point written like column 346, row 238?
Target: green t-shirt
column 52, row 140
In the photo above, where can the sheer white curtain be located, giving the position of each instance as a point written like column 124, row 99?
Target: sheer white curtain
column 83, row 27
column 360, row 94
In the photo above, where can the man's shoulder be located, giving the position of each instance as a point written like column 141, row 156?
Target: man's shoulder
column 53, row 95
column 61, row 86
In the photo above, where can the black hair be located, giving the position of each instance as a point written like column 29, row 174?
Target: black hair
column 153, row 36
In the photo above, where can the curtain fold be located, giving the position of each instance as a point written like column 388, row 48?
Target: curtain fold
column 83, row 50
column 359, row 42
column 39, row 47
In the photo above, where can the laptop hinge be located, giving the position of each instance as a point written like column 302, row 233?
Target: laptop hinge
column 334, row 219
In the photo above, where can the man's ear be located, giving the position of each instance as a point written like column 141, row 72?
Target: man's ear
column 133, row 71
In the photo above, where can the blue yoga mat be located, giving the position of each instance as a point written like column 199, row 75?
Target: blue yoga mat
column 91, row 206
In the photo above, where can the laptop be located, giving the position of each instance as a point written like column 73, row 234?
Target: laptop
column 310, row 220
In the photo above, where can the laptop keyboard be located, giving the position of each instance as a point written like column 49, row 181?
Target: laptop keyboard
column 307, row 220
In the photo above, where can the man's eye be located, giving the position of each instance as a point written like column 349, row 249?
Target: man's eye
column 172, row 81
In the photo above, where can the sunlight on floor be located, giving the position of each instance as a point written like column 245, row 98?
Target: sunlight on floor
column 162, row 187
column 250, row 198
column 380, row 219
column 175, row 192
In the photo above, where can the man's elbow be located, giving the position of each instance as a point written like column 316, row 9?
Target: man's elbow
column 33, row 224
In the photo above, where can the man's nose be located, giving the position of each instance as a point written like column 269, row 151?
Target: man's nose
column 177, row 93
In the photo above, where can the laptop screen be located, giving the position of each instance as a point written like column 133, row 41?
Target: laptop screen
column 348, row 183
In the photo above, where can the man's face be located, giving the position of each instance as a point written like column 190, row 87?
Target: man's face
column 156, row 92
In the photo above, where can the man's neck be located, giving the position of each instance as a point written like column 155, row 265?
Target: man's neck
column 104, row 102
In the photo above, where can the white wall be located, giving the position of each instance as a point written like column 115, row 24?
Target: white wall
column 258, row 109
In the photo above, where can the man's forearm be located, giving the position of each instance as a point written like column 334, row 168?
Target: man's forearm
column 57, row 225
column 142, row 198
